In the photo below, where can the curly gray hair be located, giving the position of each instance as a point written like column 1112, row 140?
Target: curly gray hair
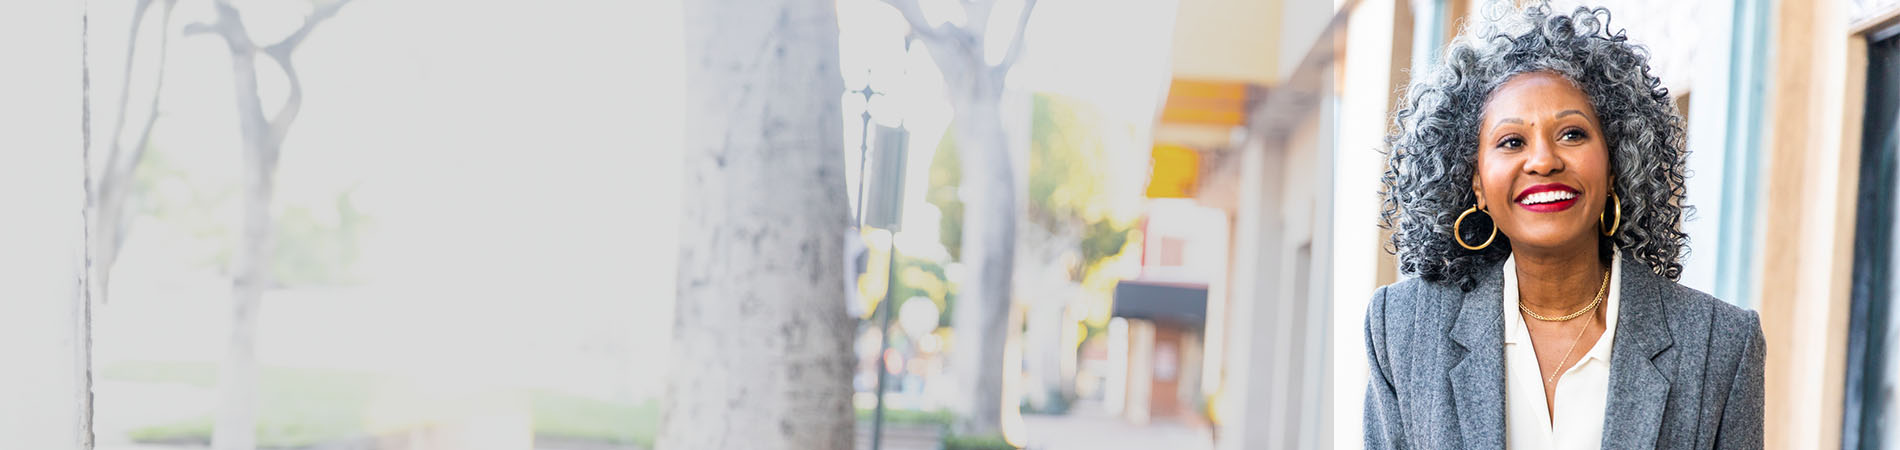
column 1433, row 152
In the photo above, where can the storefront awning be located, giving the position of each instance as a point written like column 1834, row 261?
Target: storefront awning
column 1178, row 304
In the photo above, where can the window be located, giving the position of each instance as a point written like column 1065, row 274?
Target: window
column 1870, row 381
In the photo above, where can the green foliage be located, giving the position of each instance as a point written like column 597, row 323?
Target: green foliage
column 917, row 277
column 1068, row 190
column 988, row 442
column 194, row 205
column 297, row 407
column 317, row 247
column 300, row 407
column 581, row 418
column 313, row 244
column 1068, row 178
column 939, row 417
column 1102, row 239
column 1067, row 162
column 946, row 175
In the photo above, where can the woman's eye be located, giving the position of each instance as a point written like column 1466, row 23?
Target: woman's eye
column 1572, row 135
column 1512, row 143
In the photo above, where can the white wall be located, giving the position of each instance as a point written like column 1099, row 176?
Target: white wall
column 1363, row 121
column 1708, row 125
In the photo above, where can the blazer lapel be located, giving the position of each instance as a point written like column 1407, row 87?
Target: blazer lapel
column 1638, row 387
column 1477, row 378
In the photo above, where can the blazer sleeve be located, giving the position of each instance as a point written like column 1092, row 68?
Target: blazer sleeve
column 1382, row 424
column 1741, row 425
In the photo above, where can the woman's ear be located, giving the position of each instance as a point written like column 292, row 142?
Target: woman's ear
column 1477, row 188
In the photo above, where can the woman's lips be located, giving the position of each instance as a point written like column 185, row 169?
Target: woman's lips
column 1550, row 197
column 1549, row 207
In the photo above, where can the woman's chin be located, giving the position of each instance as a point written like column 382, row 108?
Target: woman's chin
column 1552, row 239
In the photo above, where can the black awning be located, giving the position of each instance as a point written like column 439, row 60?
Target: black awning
column 1173, row 303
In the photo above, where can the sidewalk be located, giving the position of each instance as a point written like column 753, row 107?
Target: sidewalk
column 1088, row 427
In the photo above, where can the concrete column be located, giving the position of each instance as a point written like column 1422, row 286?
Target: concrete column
column 1257, row 242
column 1376, row 55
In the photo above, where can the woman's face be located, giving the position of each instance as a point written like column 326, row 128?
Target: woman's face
column 1543, row 166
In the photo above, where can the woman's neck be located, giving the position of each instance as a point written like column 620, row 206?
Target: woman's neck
column 1557, row 283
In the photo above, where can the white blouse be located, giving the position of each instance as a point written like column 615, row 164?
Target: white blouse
column 1582, row 391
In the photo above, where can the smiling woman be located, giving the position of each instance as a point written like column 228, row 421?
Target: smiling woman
column 1427, row 186
column 1530, row 169
column 1538, row 153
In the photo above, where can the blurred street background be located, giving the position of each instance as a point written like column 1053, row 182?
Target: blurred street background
column 1044, row 224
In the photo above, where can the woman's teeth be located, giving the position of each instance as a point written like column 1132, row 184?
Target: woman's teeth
column 1548, row 197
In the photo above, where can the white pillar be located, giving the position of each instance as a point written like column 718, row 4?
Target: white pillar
column 1372, row 50
column 1258, row 235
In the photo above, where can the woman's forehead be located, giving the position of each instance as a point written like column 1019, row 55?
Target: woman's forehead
column 1534, row 96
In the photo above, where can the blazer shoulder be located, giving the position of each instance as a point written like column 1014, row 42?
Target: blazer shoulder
column 1397, row 318
column 1411, row 292
column 1732, row 328
column 1722, row 314
column 1408, row 299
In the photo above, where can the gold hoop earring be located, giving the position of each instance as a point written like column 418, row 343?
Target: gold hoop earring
column 1619, row 215
column 1461, row 237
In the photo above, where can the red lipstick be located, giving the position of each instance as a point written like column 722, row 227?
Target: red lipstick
column 1547, row 198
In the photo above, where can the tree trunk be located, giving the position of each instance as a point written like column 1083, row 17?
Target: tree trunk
column 989, row 184
column 262, row 139
column 989, row 246
column 236, row 426
column 1046, row 284
column 45, row 335
column 761, row 355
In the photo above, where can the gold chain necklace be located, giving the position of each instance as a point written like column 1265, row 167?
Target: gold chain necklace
column 1593, row 304
column 1604, row 288
column 1573, row 347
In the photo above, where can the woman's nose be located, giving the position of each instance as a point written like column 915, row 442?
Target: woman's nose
column 1543, row 159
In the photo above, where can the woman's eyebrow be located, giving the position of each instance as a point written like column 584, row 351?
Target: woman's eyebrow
column 1569, row 112
column 1506, row 120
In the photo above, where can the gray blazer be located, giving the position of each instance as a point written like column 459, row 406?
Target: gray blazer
column 1686, row 372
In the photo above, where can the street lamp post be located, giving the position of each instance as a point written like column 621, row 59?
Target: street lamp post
column 886, row 204
column 886, row 213
column 864, row 145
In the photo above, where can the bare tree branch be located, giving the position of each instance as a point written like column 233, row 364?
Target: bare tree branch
column 113, row 183
column 976, row 17
column 280, row 123
column 914, row 13
column 137, row 151
column 280, row 52
column 310, row 22
column 1016, row 42
column 229, row 26
column 125, row 89
column 250, row 111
